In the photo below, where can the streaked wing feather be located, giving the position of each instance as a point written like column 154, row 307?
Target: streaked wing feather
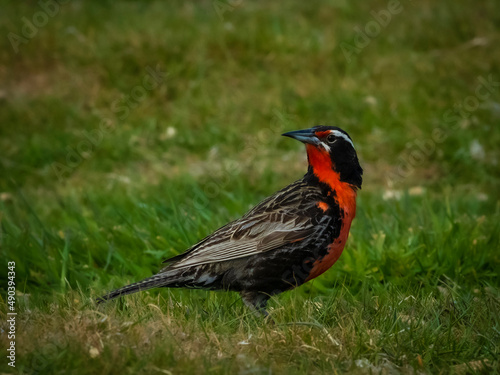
column 244, row 240
column 274, row 222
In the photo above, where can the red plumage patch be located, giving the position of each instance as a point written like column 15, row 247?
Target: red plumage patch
column 345, row 197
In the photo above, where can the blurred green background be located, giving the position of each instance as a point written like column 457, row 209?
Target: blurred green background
column 130, row 130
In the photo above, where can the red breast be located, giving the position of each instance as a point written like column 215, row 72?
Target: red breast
column 345, row 197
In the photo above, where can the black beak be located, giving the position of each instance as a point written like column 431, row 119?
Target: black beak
column 305, row 136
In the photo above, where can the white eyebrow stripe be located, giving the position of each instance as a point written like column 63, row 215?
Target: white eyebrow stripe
column 342, row 135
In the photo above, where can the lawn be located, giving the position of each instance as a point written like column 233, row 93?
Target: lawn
column 130, row 130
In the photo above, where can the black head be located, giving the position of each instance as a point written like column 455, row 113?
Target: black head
column 337, row 144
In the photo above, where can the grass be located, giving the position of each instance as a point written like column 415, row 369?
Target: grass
column 417, row 289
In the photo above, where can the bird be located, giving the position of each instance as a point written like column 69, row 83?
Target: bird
column 286, row 240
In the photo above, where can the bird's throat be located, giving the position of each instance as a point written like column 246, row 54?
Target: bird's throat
column 323, row 169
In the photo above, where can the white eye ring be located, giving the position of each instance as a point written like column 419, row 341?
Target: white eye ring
column 330, row 138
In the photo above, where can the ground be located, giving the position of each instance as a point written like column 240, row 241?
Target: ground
column 128, row 131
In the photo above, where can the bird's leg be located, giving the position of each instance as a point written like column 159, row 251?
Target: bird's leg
column 256, row 302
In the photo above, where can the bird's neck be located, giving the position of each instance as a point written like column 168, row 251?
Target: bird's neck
column 321, row 170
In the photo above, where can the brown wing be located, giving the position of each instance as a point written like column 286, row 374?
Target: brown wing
column 277, row 221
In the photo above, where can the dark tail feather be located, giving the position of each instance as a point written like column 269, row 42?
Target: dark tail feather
column 149, row 283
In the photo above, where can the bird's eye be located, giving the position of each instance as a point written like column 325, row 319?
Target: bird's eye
column 330, row 138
